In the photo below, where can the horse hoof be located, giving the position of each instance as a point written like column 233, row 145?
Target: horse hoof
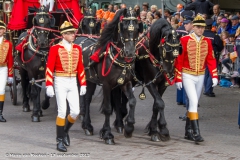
column 155, row 138
column 87, row 132
column 119, row 129
column 40, row 114
column 127, row 135
column 164, row 138
column 109, row 141
column 35, row 119
column 26, row 110
column 81, row 117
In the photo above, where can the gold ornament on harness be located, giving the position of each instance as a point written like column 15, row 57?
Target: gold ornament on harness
column 131, row 27
column 166, row 83
column 142, row 96
column 120, row 81
column 175, row 53
column 41, row 68
column 91, row 24
column 41, row 20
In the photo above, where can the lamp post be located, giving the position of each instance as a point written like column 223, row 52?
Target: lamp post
column 7, row 9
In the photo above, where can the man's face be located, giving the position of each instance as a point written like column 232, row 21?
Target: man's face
column 178, row 9
column 234, row 22
column 69, row 36
column 215, row 10
column 198, row 30
column 2, row 31
column 188, row 27
column 115, row 7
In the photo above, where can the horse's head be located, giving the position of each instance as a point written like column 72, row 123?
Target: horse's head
column 88, row 23
column 128, row 29
column 42, row 22
column 164, row 44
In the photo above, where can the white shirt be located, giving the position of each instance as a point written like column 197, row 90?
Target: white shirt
column 197, row 37
column 67, row 45
column 1, row 39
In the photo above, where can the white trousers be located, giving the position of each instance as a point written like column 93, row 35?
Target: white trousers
column 66, row 89
column 193, row 86
column 3, row 79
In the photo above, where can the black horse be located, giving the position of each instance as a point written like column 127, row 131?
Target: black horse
column 89, row 24
column 156, row 52
column 116, row 47
column 32, row 60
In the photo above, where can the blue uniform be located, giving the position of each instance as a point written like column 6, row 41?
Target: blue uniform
column 217, row 44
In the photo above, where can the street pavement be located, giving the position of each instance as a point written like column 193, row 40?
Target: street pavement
column 22, row 139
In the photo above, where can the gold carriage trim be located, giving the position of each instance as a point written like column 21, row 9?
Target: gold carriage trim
column 65, row 74
column 3, row 65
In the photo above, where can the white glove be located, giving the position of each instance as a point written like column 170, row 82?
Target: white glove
column 179, row 85
column 50, row 91
column 83, row 90
column 215, row 82
column 10, row 80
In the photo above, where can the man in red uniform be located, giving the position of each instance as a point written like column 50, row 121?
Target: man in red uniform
column 65, row 59
column 190, row 69
column 6, row 66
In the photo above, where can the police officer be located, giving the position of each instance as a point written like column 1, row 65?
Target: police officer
column 217, row 45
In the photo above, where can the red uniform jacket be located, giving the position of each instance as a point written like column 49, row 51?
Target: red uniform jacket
column 65, row 64
column 6, row 58
column 194, row 58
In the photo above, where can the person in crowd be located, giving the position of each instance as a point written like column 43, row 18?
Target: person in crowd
column 174, row 23
column 224, row 26
column 6, row 66
column 196, row 49
column 145, row 6
column 217, row 45
column 153, row 9
column 115, row 8
column 110, row 8
column 178, row 17
column 205, row 16
column 65, row 59
column 167, row 13
column 216, row 12
column 136, row 7
column 180, row 8
column 157, row 15
column 201, row 6
column 123, row 5
column 235, row 24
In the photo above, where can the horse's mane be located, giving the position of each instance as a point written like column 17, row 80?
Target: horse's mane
column 156, row 34
column 109, row 31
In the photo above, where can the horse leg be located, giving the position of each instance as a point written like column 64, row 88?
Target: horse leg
column 25, row 84
column 34, row 94
column 86, row 123
column 152, row 125
column 162, row 124
column 130, row 120
column 38, row 101
column 119, row 103
column 46, row 102
column 105, row 132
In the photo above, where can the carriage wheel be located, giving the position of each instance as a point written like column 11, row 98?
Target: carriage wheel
column 14, row 89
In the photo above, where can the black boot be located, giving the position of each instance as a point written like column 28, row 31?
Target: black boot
column 1, row 110
column 60, row 135
column 188, row 130
column 66, row 138
column 196, row 132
